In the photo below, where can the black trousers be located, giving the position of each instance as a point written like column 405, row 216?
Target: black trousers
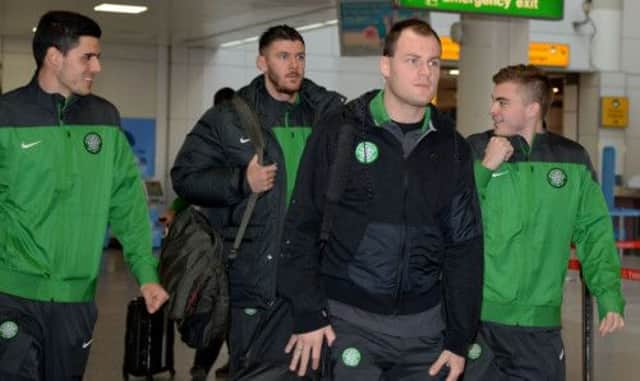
column 257, row 339
column 44, row 340
column 361, row 354
column 514, row 353
column 206, row 357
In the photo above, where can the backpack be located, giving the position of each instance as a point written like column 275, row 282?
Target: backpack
column 192, row 270
column 193, row 263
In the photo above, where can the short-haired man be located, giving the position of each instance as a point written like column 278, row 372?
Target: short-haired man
column 217, row 167
column 395, row 290
column 538, row 194
column 66, row 172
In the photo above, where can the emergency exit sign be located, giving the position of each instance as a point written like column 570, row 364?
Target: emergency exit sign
column 537, row 9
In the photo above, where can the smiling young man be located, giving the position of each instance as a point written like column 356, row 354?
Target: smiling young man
column 538, row 194
column 217, row 168
column 395, row 290
column 66, row 172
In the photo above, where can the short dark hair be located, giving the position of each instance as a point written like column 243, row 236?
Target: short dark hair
column 278, row 32
column 537, row 85
column 420, row 27
column 222, row 95
column 62, row 30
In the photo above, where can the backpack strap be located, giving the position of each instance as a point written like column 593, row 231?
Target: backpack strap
column 251, row 124
column 338, row 174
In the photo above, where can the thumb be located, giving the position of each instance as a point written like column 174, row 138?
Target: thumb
column 151, row 304
column 435, row 368
column 330, row 335
column 254, row 160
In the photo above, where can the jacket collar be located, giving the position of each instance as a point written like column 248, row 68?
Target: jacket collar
column 48, row 100
column 381, row 116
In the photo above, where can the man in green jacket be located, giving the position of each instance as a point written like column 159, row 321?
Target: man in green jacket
column 538, row 194
column 66, row 172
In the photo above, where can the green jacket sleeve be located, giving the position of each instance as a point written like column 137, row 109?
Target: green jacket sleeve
column 595, row 248
column 482, row 176
column 129, row 214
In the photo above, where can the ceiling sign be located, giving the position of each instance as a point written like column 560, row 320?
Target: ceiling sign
column 540, row 53
column 534, row 9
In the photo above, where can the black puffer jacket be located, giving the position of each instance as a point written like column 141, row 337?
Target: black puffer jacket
column 210, row 169
column 407, row 229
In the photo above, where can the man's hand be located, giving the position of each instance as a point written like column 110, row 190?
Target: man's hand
column 453, row 361
column 167, row 217
column 497, row 152
column 260, row 178
column 612, row 322
column 154, row 296
column 306, row 344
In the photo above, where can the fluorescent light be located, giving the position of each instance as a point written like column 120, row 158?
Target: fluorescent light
column 454, row 72
column 231, row 43
column 310, row 26
column 301, row 28
column 120, row 8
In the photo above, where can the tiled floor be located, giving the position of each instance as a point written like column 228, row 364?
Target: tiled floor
column 617, row 357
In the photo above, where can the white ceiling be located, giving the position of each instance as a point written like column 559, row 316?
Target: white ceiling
column 190, row 22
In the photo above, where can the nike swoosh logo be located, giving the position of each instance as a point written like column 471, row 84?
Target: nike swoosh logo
column 498, row 174
column 29, row 145
column 86, row 345
column 244, row 140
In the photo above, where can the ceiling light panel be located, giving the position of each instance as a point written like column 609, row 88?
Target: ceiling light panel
column 120, row 8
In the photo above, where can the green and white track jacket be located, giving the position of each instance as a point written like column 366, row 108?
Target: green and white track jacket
column 533, row 208
column 66, row 171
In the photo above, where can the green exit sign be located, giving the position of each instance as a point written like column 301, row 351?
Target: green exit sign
column 538, row 9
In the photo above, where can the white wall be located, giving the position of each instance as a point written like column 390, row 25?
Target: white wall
column 175, row 84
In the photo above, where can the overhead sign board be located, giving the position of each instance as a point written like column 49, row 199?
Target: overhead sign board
column 548, row 54
column 535, row 9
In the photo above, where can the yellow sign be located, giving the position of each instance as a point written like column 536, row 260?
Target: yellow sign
column 450, row 49
column 540, row 53
column 548, row 54
column 615, row 112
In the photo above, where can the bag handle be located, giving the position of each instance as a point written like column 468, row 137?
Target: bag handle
column 249, row 121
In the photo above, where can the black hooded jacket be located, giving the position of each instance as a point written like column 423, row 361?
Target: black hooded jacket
column 407, row 231
column 210, row 168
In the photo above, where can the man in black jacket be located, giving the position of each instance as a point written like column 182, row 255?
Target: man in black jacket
column 217, row 168
column 395, row 288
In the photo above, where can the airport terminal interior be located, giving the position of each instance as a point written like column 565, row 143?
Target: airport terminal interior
column 161, row 67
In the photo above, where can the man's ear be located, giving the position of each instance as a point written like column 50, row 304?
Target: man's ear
column 53, row 57
column 261, row 63
column 533, row 110
column 385, row 69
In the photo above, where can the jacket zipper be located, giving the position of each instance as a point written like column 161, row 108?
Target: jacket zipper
column 282, row 212
column 403, row 252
